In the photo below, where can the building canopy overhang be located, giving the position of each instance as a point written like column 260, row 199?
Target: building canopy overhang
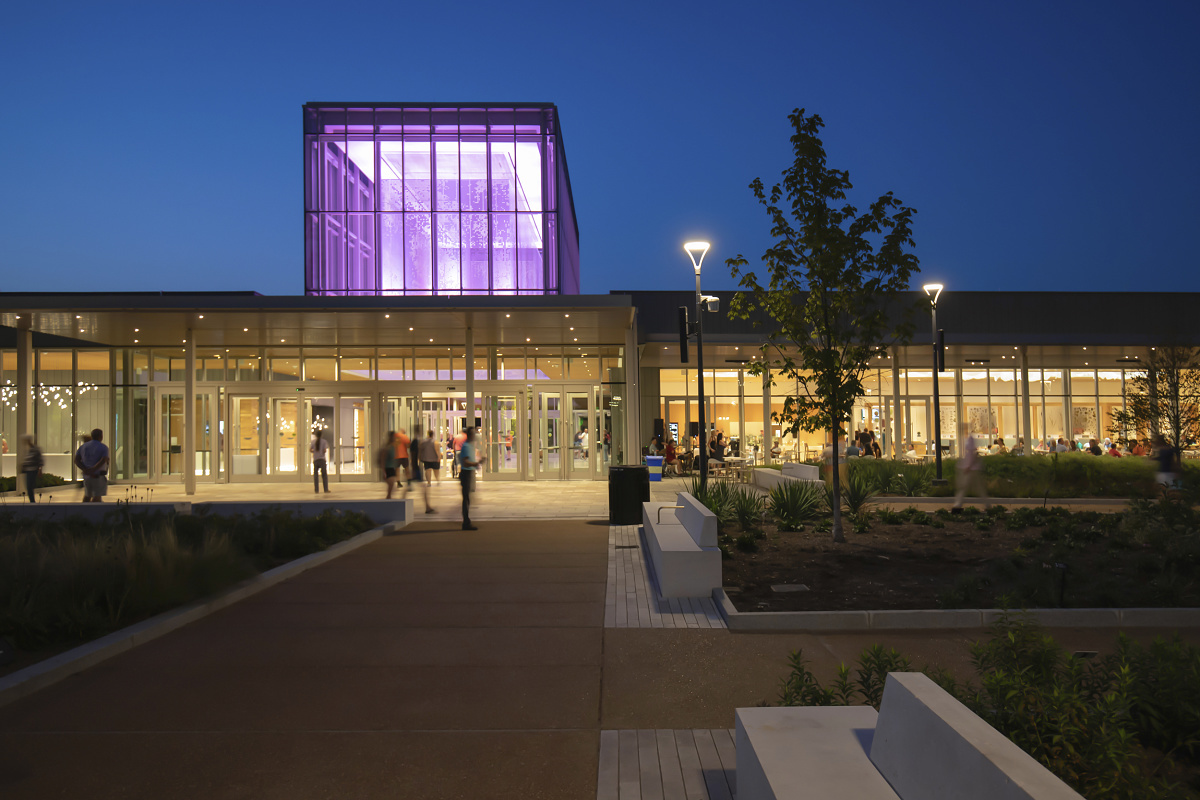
column 252, row 320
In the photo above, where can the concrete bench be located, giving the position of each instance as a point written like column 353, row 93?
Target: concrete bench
column 682, row 545
column 768, row 479
column 922, row 745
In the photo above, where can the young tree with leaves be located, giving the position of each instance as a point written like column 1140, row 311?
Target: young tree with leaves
column 1165, row 398
column 834, row 290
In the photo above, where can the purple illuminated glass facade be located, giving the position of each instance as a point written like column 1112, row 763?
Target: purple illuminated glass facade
column 445, row 200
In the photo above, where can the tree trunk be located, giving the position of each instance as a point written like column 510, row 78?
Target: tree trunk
column 838, row 535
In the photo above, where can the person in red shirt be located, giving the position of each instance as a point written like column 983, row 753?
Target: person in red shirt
column 669, row 457
column 457, row 444
column 402, row 469
column 1113, row 451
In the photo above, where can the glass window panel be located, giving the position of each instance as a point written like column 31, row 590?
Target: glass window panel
column 474, row 252
column 529, row 252
column 394, row 368
column 1002, row 382
column 1083, row 382
column 584, row 367
column 132, row 366
column 446, row 198
column 504, row 246
column 551, row 175
column 1052, row 384
column 360, row 174
column 1109, row 381
column 244, row 364
column 54, row 367
column 320, row 369
column 360, row 253
column 418, row 175
column 391, row 257
column 529, row 173
column 504, row 175
column 975, row 382
column 548, row 368
column 283, row 365
column 425, row 369
column 473, row 193
column 1084, row 424
column 333, row 178
column 333, row 252
column 356, row 365
column 449, row 278
column 391, row 170
column 418, row 254
column 511, row 364
column 93, row 367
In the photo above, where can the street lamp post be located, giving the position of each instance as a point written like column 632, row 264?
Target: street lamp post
column 934, row 290
column 696, row 252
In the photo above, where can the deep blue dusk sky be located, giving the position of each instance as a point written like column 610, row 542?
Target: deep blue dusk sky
column 1046, row 146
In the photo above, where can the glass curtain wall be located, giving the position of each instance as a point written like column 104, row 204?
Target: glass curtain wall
column 420, row 201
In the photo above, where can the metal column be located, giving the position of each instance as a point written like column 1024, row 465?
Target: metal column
column 24, row 388
column 897, row 414
column 470, row 376
column 189, row 415
column 1026, row 418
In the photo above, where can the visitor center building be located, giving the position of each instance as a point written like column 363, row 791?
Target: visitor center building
column 441, row 273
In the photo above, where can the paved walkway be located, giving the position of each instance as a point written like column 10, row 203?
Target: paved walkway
column 430, row 664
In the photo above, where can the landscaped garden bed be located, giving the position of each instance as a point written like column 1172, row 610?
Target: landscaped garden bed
column 66, row 582
column 780, row 555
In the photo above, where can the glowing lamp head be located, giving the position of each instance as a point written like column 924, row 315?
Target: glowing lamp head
column 696, row 252
column 933, row 290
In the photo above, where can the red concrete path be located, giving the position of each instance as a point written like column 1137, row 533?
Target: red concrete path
column 430, row 664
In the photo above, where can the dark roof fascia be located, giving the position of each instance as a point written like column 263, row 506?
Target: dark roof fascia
column 428, row 104
column 169, row 301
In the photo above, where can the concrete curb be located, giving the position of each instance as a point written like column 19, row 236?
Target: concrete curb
column 949, row 619
column 52, row 670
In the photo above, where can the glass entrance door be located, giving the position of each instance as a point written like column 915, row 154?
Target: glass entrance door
column 549, row 434
column 288, row 457
column 351, row 451
column 171, row 435
column 580, row 427
column 502, row 437
column 246, row 446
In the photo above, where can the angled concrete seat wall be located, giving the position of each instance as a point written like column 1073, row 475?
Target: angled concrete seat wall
column 683, row 567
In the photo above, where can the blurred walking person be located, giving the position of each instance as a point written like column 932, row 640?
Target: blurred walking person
column 32, row 466
column 468, row 459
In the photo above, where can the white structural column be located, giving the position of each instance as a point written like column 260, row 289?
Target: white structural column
column 897, row 413
column 1026, row 417
column 743, row 449
column 470, row 375
column 24, row 388
column 768, row 432
column 633, row 406
column 189, row 414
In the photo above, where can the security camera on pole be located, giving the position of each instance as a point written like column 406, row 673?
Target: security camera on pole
column 696, row 252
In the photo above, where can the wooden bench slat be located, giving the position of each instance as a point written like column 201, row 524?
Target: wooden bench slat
column 710, row 762
column 689, row 766
column 668, row 763
column 651, row 774
column 630, row 777
column 608, row 778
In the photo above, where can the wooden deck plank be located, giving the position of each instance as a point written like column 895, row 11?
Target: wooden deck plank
column 689, row 766
column 727, row 752
column 710, row 763
column 668, row 766
column 608, row 778
column 630, row 784
column 651, row 777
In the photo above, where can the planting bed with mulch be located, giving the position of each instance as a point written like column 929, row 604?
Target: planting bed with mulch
column 911, row 559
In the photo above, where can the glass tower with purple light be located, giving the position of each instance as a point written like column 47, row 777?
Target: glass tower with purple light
column 425, row 199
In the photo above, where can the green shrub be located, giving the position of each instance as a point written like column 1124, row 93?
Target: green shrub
column 717, row 497
column 748, row 507
column 911, row 480
column 858, row 492
column 70, row 580
column 747, row 543
column 1088, row 722
column 45, row 480
column 793, row 503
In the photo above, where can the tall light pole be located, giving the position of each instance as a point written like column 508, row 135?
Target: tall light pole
column 696, row 252
column 934, row 290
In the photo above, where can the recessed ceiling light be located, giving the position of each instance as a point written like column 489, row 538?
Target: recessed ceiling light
column 410, row 329
column 387, row 316
column 78, row 317
column 201, row 316
column 81, row 330
column 506, row 316
column 572, row 329
column 244, row 330
column 527, row 339
column 566, row 315
column 431, row 340
column 135, row 341
column 281, row 340
column 574, row 340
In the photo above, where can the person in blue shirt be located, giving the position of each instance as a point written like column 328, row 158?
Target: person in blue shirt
column 468, row 460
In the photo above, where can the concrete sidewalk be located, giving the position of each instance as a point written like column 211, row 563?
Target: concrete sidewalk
column 433, row 663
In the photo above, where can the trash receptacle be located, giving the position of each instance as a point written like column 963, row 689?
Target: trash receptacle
column 655, row 464
column 628, row 488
